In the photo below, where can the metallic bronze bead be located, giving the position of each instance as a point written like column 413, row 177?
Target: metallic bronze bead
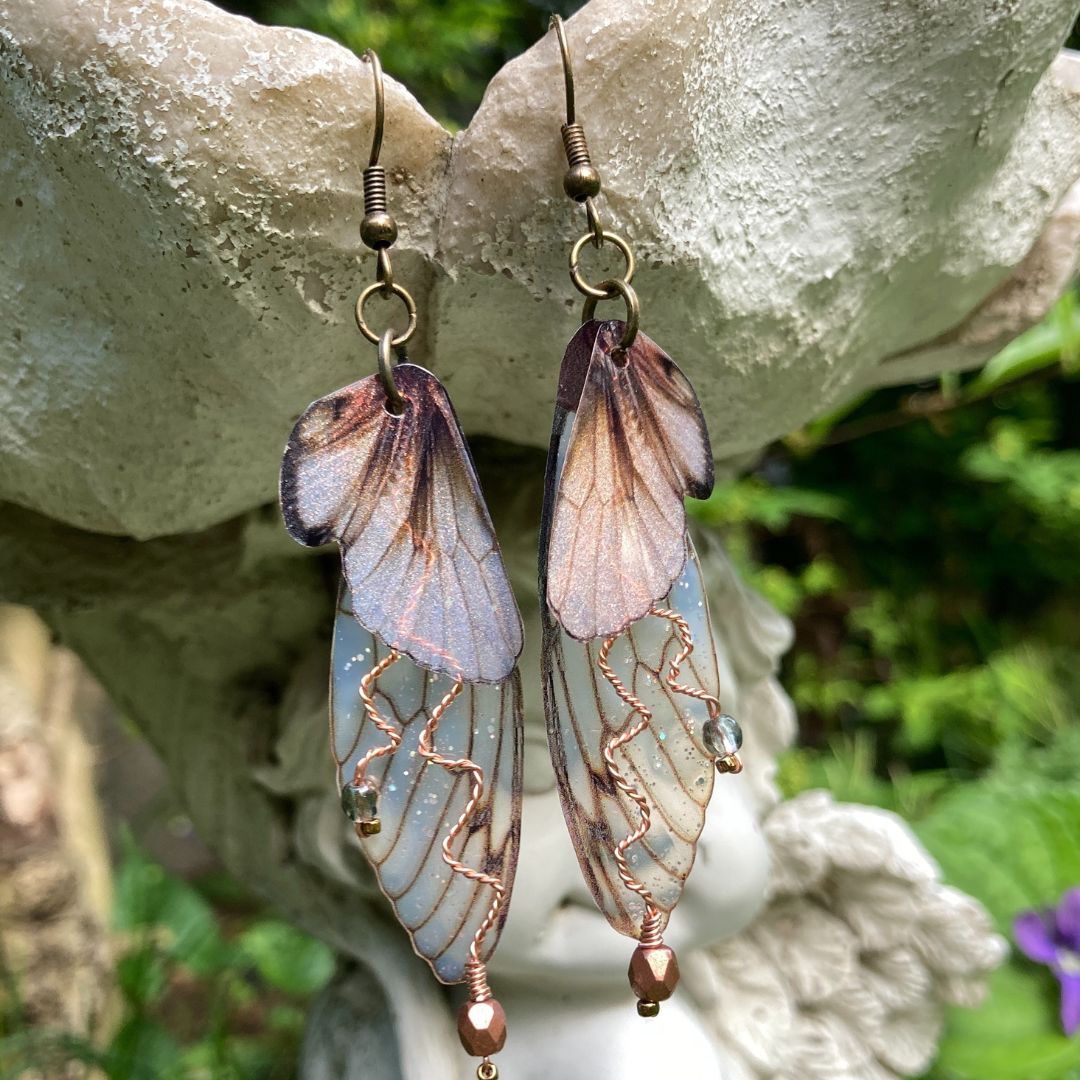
column 581, row 182
column 482, row 1027
column 654, row 973
column 378, row 230
column 648, row 1008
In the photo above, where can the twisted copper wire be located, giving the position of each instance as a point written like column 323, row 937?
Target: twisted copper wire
column 732, row 763
column 652, row 924
column 367, row 697
column 475, row 968
column 682, row 628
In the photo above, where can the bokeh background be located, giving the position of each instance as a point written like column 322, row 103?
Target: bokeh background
column 924, row 540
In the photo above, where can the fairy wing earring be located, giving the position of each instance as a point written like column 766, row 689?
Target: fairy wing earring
column 425, row 694
column 629, row 668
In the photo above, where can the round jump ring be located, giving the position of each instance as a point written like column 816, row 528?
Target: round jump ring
column 410, row 307
column 596, row 292
column 608, row 290
column 386, row 373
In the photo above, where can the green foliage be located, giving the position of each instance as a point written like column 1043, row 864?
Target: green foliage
column 199, row 1001
column 1014, row 842
column 926, row 545
column 1011, row 1037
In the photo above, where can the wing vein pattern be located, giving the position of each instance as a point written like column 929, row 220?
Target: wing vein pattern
column 419, row 801
column 624, row 453
column 400, row 495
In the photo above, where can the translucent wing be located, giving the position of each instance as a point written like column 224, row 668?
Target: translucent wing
column 667, row 762
column 637, row 445
column 399, row 493
column 419, row 801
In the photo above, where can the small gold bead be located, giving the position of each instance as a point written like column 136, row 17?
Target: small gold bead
column 648, row 1008
column 369, row 828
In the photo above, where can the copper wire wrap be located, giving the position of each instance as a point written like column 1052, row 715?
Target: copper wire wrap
column 367, row 697
column 733, row 762
column 652, row 924
column 475, row 968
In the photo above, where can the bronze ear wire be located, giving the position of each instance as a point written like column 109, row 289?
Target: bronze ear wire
column 378, row 230
column 631, row 682
column 582, row 183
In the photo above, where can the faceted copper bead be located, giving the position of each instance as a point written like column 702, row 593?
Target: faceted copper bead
column 654, row 972
column 482, row 1027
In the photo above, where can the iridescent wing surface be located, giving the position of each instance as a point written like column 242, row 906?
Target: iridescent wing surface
column 668, row 761
column 400, row 495
column 418, row 801
column 637, row 445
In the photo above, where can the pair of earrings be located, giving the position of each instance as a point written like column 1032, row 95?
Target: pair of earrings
column 426, row 706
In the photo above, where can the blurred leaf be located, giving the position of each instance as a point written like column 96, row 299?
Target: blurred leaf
column 286, row 958
column 141, row 975
column 146, row 896
column 1013, row 847
column 752, row 500
column 142, row 1050
column 1012, row 1036
column 1055, row 340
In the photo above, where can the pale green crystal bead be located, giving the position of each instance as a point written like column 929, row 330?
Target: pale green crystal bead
column 722, row 735
column 360, row 801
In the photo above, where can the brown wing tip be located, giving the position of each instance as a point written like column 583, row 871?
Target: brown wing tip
column 289, row 497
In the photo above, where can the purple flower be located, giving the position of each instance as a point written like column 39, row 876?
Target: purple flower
column 1052, row 937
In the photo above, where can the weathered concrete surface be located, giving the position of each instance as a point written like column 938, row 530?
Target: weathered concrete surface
column 812, row 190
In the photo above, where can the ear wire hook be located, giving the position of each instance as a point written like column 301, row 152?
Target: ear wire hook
column 582, row 180
column 556, row 24
column 582, row 184
column 378, row 230
column 372, row 58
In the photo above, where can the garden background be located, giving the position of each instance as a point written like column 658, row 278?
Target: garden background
column 924, row 541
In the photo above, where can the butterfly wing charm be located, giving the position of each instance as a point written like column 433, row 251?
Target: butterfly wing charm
column 624, row 597
column 400, row 495
column 418, row 801
column 426, row 697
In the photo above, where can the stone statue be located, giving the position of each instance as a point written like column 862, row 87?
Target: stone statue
column 825, row 199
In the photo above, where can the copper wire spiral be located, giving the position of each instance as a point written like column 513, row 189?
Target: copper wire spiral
column 652, row 925
column 686, row 639
column 732, row 763
column 367, row 697
column 475, row 968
